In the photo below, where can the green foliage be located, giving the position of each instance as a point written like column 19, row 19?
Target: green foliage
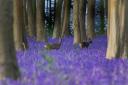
column 49, row 59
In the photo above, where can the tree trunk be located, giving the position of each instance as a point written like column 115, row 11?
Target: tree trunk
column 91, row 19
column 57, row 27
column 65, row 30
column 24, row 31
column 31, row 23
column 125, row 54
column 82, row 13
column 117, row 41
column 8, row 62
column 40, row 22
column 76, row 24
column 25, row 14
column 18, row 24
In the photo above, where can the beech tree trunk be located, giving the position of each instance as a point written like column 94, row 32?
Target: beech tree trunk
column 25, row 14
column 65, row 30
column 58, row 24
column 76, row 23
column 31, row 23
column 82, row 14
column 40, row 22
column 91, row 19
column 117, row 41
column 18, row 24
column 8, row 62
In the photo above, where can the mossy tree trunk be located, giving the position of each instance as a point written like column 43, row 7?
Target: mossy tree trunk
column 40, row 21
column 8, row 62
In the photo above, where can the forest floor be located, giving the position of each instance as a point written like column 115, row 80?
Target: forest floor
column 70, row 65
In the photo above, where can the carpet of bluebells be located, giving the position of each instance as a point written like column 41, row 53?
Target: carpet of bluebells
column 69, row 65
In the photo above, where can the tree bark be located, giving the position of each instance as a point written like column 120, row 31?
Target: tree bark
column 8, row 62
column 40, row 22
column 65, row 30
column 117, row 41
column 77, row 38
column 91, row 19
column 82, row 13
column 25, row 14
column 31, row 23
column 58, row 24
column 18, row 24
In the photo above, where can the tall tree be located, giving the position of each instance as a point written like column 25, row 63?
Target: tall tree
column 118, row 39
column 8, row 62
column 25, row 14
column 18, row 24
column 77, row 38
column 57, row 27
column 40, row 21
column 24, row 30
column 66, row 19
column 82, row 13
column 31, row 22
column 91, row 19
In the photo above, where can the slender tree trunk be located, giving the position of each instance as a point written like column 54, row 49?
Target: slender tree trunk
column 34, row 15
column 65, row 30
column 8, row 62
column 25, row 14
column 57, row 27
column 40, row 22
column 18, row 24
column 31, row 24
column 77, row 38
column 91, row 19
column 82, row 13
column 24, row 31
